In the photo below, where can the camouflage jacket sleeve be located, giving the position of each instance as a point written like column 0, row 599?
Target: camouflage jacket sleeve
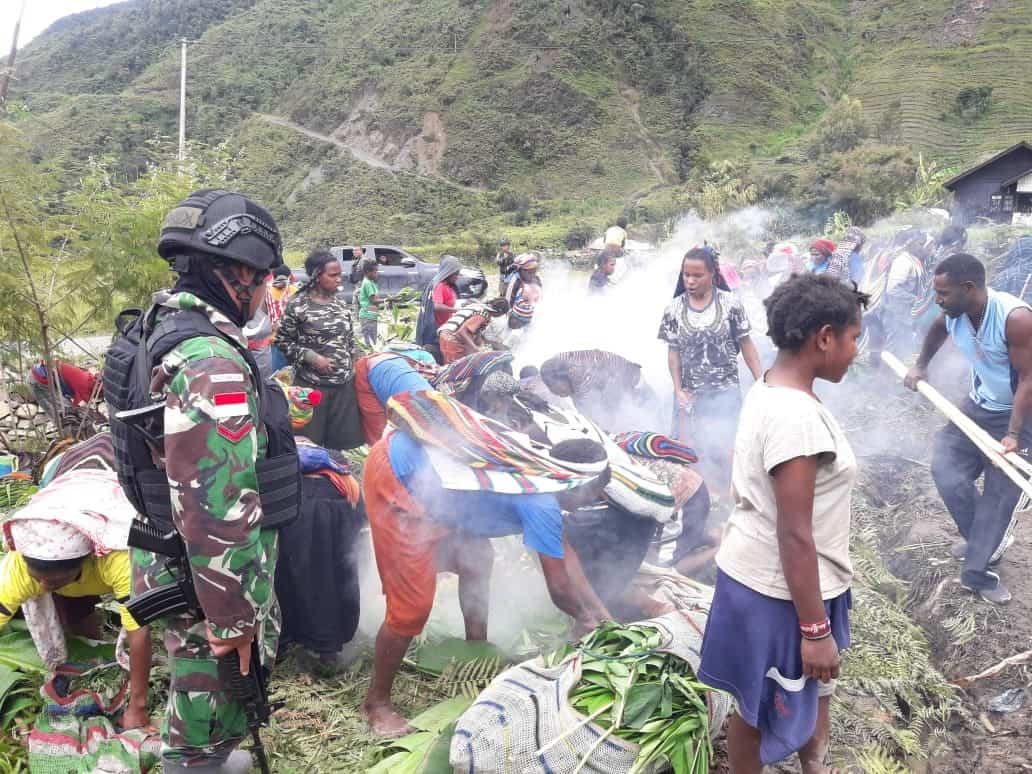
column 288, row 337
column 212, row 441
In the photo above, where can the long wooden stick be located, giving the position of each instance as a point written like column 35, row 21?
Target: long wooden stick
column 989, row 446
column 979, row 437
column 1019, row 658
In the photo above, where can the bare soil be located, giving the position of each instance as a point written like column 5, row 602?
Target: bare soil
column 966, row 635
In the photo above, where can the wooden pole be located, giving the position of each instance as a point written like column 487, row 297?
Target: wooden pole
column 1010, row 463
column 982, row 439
column 9, row 71
column 1019, row 658
column 181, row 156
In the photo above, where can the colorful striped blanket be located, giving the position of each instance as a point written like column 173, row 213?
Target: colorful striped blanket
column 455, row 378
column 471, row 452
column 656, row 446
column 75, row 731
column 633, row 487
column 96, row 453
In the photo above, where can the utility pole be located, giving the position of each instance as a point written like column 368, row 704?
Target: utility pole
column 182, row 100
column 9, row 71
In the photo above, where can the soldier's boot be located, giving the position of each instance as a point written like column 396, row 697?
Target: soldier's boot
column 238, row 762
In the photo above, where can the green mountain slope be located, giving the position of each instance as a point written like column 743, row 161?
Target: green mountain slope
column 914, row 58
column 420, row 120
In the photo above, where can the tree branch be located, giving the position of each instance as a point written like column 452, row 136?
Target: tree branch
column 48, row 355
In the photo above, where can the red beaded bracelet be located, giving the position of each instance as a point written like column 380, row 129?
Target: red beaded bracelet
column 816, row 631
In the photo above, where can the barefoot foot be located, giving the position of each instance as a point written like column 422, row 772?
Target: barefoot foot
column 385, row 721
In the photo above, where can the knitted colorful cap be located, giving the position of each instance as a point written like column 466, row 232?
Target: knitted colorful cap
column 303, row 401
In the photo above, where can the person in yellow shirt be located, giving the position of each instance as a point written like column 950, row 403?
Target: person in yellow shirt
column 616, row 236
column 56, row 558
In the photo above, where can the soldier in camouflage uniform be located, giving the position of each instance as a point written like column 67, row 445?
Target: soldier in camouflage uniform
column 213, row 439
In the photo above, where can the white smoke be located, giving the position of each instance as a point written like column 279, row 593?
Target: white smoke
column 625, row 320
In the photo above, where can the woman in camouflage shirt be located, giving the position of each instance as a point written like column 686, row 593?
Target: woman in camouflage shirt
column 318, row 340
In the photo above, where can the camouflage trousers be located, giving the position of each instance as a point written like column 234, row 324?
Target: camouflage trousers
column 201, row 724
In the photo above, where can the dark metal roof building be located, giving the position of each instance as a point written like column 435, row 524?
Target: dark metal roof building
column 999, row 188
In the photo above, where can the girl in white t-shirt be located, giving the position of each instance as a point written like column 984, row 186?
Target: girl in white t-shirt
column 780, row 610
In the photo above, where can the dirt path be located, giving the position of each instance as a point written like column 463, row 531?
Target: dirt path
column 359, row 154
column 914, row 536
column 656, row 160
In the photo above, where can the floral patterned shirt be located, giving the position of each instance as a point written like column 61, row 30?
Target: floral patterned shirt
column 708, row 340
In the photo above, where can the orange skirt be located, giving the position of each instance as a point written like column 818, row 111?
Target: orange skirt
column 371, row 411
column 452, row 349
column 405, row 543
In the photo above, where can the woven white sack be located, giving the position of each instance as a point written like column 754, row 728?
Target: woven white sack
column 526, row 707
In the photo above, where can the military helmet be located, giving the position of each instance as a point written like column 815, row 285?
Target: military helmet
column 222, row 223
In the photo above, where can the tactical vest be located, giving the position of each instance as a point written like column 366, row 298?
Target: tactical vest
column 137, row 422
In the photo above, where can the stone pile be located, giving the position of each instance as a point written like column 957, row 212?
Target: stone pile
column 23, row 423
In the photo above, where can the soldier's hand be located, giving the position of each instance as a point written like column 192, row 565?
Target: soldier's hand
column 241, row 644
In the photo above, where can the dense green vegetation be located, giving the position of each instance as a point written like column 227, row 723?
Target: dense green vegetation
column 452, row 121
column 71, row 256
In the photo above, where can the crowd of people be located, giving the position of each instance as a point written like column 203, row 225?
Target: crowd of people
column 244, row 461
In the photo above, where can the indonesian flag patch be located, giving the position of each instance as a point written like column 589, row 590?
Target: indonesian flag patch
column 233, row 415
column 231, row 404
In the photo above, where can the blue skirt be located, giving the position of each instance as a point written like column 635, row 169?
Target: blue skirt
column 751, row 650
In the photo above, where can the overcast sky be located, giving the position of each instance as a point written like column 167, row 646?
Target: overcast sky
column 39, row 14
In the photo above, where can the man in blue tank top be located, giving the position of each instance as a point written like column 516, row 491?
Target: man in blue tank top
column 994, row 332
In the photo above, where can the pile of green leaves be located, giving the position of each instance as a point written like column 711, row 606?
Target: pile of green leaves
column 643, row 696
column 425, row 750
column 15, row 492
column 17, row 694
column 407, row 296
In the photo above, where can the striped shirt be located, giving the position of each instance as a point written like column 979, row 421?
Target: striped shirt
column 474, row 318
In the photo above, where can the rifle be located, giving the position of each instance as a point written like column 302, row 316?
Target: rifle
column 180, row 597
column 169, row 599
column 250, row 691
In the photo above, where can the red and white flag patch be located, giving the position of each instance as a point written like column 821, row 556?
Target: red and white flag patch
column 231, row 404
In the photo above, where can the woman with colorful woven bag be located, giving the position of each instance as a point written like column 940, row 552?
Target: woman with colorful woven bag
column 431, row 513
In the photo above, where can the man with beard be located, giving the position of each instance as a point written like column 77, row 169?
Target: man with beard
column 994, row 332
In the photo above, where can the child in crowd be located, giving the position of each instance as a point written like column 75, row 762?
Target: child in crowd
column 780, row 610
column 369, row 302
